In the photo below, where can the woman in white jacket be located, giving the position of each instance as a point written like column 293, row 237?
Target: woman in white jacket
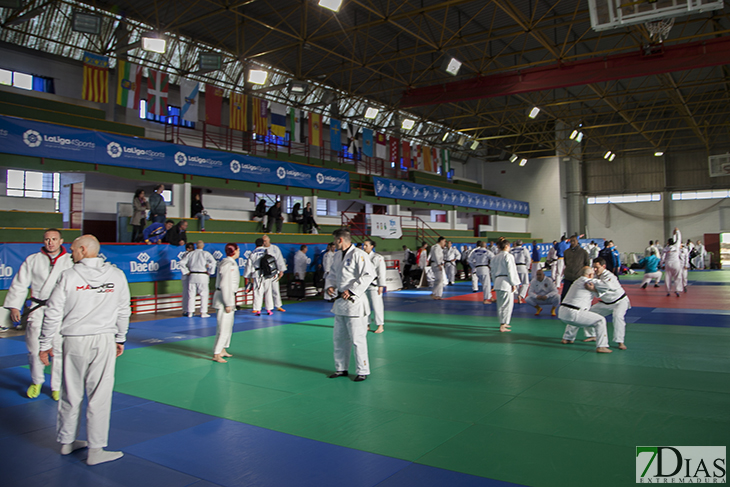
column 506, row 280
column 224, row 300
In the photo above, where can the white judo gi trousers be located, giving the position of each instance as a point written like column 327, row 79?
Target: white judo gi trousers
column 558, row 270
column 575, row 319
column 685, row 271
column 351, row 333
column 450, row 268
column 619, row 309
column 524, row 281
column 198, row 286
column 184, row 284
column 485, row 278
column 673, row 275
column 32, row 341
column 276, row 294
column 505, row 304
column 262, row 293
column 438, row 280
column 224, row 329
column 88, row 366
column 648, row 276
column 377, row 309
column 551, row 301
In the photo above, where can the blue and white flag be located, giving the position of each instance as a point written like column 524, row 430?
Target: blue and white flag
column 335, row 135
column 367, row 142
column 189, row 96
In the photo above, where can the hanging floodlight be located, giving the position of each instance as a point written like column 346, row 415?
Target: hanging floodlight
column 298, row 87
column 534, row 112
column 257, row 76
column 407, row 124
column 153, row 42
column 613, row 156
column 371, row 112
column 573, row 135
column 607, row 155
column 451, row 65
column 474, row 145
column 580, row 137
column 333, row 5
column 659, row 153
column 523, row 162
column 513, row 158
column 445, row 136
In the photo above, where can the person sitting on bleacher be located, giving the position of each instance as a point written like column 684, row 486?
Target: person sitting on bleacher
column 154, row 233
column 296, row 214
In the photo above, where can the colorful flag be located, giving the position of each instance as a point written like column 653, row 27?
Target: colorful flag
column 295, row 124
column 213, row 105
column 393, row 152
column 260, row 112
column 446, row 160
column 238, row 102
column 335, row 135
column 406, row 154
column 353, row 145
column 157, row 86
column 189, row 96
column 129, row 84
column 315, row 129
column 381, row 149
column 367, row 142
column 418, row 163
column 96, row 78
column 278, row 119
column 437, row 161
column 426, row 158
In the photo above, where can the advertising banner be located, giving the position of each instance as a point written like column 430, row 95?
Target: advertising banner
column 385, row 226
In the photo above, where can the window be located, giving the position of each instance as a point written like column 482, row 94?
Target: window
column 167, row 196
column 709, row 194
column 172, row 117
column 293, row 200
column 270, row 199
column 322, row 207
column 31, row 184
column 26, row 81
column 624, row 198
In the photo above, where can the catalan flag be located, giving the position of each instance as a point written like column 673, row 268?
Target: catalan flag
column 260, row 116
column 129, row 84
column 96, row 78
column 238, row 104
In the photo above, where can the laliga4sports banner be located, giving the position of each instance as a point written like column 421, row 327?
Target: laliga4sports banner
column 37, row 139
column 146, row 263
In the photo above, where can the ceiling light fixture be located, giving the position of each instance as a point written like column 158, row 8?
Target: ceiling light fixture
column 534, row 112
column 257, row 76
column 407, row 124
column 613, row 156
column 333, row 5
column 153, row 42
column 607, row 155
column 513, row 158
column 371, row 113
column 451, row 65
column 659, row 153
column 474, row 145
column 523, row 162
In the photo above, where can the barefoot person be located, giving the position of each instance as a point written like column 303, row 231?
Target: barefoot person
column 575, row 313
column 224, row 300
column 613, row 299
column 437, row 266
column 506, row 281
column 375, row 290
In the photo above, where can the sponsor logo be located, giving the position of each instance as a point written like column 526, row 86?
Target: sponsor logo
column 404, row 190
column 114, row 150
column 217, row 255
column 3, row 133
column 32, row 138
column 145, row 264
column 379, row 187
column 5, row 271
column 392, row 188
column 180, row 255
column 281, row 173
column 235, row 167
column 143, row 257
column 320, row 178
column 101, row 288
column 681, row 464
column 181, row 159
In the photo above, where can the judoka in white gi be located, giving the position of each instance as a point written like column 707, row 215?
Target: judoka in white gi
column 351, row 275
column 685, row 261
column 327, row 260
column 301, row 261
column 613, row 300
column 89, row 309
column 451, row 257
column 437, row 267
column 575, row 313
column 506, row 281
column 227, row 283
column 261, row 283
column 40, row 271
column 184, row 279
column 522, row 261
column 281, row 264
column 376, row 288
column 422, row 263
column 672, row 263
column 699, row 261
column 480, row 259
column 198, row 266
column 543, row 293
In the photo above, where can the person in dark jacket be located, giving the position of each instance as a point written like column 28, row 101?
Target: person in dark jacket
column 156, row 232
column 199, row 212
column 274, row 216
column 158, row 207
column 177, row 235
column 309, row 222
column 139, row 214
column 296, row 214
column 260, row 212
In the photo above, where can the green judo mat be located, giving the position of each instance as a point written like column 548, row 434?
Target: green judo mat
column 452, row 392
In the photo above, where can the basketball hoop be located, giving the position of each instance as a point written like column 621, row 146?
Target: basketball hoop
column 659, row 30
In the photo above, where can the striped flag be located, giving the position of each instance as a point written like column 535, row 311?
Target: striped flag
column 189, row 96
column 129, row 84
column 426, row 151
column 213, row 105
column 238, row 112
column 278, row 119
column 446, row 160
column 260, row 113
column 157, row 86
column 394, row 145
column 315, row 129
column 437, row 166
column 96, row 78
column 295, row 124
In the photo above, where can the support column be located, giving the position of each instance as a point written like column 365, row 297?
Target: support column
column 571, row 167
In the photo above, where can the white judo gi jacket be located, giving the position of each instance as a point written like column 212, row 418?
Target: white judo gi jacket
column 227, row 283
column 351, row 271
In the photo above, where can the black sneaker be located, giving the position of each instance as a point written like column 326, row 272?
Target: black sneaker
column 360, row 378
column 339, row 373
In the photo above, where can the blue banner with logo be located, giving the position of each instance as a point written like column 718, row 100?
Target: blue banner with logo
column 146, row 263
column 37, row 139
column 391, row 188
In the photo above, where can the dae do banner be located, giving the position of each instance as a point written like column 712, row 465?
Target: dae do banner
column 37, row 139
column 391, row 188
column 146, row 263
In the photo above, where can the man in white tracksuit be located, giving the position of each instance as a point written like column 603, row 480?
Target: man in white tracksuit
column 451, row 257
column 480, row 259
column 543, row 293
column 301, row 261
column 375, row 290
column 89, row 309
column 40, row 271
column 701, row 255
column 522, row 261
column 261, row 284
column 574, row 312
column 281, row 264
column 198, row 265
column 672, row 263
column 613, row 299
column 351, row 275
column 437, row 266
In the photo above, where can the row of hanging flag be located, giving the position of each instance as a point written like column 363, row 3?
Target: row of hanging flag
column 265, row 116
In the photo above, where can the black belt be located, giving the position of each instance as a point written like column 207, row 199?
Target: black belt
column 198, row 272
column 501, row 275
column 484, row 265
column 520, row 264
column 570, row 306
column 616, row 301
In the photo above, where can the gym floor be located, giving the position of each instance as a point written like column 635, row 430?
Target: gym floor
column 451, row 401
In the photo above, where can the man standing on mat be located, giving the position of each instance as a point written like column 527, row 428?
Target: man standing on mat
column 351, row 274
column 575, row 258
column 480, row 259
column 375, row 290
column 437, row 266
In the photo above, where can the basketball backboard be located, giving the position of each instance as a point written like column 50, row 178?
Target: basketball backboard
column 611, row 14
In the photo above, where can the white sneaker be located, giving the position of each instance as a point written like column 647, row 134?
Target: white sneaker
column 206, row 315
